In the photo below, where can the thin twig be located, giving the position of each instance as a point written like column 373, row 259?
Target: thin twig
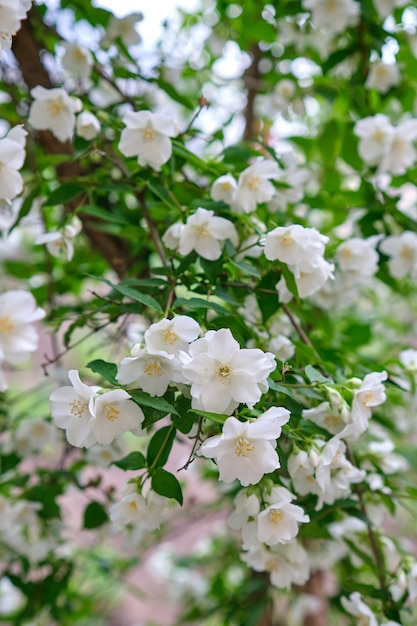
column 197, row 440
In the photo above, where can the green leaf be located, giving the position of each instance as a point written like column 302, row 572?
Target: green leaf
column 95, row 515
column 107, row 216
column 315, row 376
column 156, row 402
column 246, row 268
column 133, row 294
column 106, row 370
column 199, row 303
column 63, row 194
column 166, row 484
column 185, row 420
column 160, row 446
column 133, row 461
column 214, row 417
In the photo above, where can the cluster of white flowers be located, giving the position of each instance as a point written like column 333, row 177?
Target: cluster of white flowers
column 90, row 415
column 12, row 12
column 252, row 188
column 54, row 110
column 302, row 249
column 382, row 76
column 333, row 15
column 389, row 147
column 60, row 244
column 12, row 157
column 147, row 136
column 203, row 232
column 269, row 526
column 18, row 337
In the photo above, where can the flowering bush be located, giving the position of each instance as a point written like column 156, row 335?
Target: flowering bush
column 226, row 294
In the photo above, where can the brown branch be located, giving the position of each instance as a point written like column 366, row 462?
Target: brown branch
column 252, row 78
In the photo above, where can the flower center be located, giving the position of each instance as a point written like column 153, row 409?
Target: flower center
column 381, row 71
column 111, row 413
column 332, row 421
column 243, row 447
column 202, row 231
column 271, row 566
column 378, row 135
column 367, row 398
column 169, row 337
column 254, row 183
column 38, row 430
column 77, row 408
column 347, row 253
column 55, row 108
column 153, row 368
column 275, row 516
column 148, row 133
column 363, row 620
column 287, row 240
column 406, row 253
column 133, row 505
column 78, row 55
column 6, row 325
column 226, row 186
column 223, row 373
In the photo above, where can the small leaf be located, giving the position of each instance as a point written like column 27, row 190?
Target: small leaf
column 106, row 370
column 166, row 484
column 214, row 417
column 135, row 295
column 314, row 376
column 133, row 461
column 160, row 446
column 95, row 515
column 155, row 402
column 64, row 193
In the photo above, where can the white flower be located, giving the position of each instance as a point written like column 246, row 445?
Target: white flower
column 278, row 523
column 382, row 76
column 358, row 256
column 408, row 358
column 150, row 371
column 385, row 7
column 77, row 59
column 18, row 311
column 375, row 135
column 301, row 467
column 87, row 125
column 294, row 244
column 114, row 412
column 59, row 244
column 355, row 606
column 34, row 435
column 286, row 564
column 400, row 154
column 246, row 450
column 102, row 456
column 282, row 347
column 402, row 250
column 173, row 335
column 333, row 417
column 310, row 277
column 54, row 110
column 147, row 136
column 254, row 186
column 11, row 14
column 222, row 375
column 205, row 233
column 12, row 156
column 224, row 189
column 371, row 393
column 135, row 508
column 336, row 15
column 70, row 408
column 335, row 474
column 124, row 27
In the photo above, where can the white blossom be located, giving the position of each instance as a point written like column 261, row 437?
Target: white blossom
column 371, row 393
column 54, row 110
column 59, row 244
column 278, row 523
column 150, row 371
column 18, row 337
column 173, row 335
column 355, row 606
column 254, row 186
column 382, row 76
column 333, row 416
column 222, row 375
column 375, row 134
column 34, row 435
column 294, row 244
column 401, row 153
column 12, row 157
column 114, row 412
column 124, row 27
column 203, row 232
column 71, row 410
column 87, row 125
column 402, row 250
column 147, row 136
column 77, row 59
column 139, row 509
column 358, row 257
column 12, row 12
column 224, row 189
column 282, row 347
column 286, row 564
column 335, row 15
column 246, row 450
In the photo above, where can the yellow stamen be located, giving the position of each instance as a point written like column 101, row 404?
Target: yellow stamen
column 243, row 447
column 111, row 412
column 275, row 516
column 169, row 337
column 77, row 408
column 153, row 368
column 6, row 325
